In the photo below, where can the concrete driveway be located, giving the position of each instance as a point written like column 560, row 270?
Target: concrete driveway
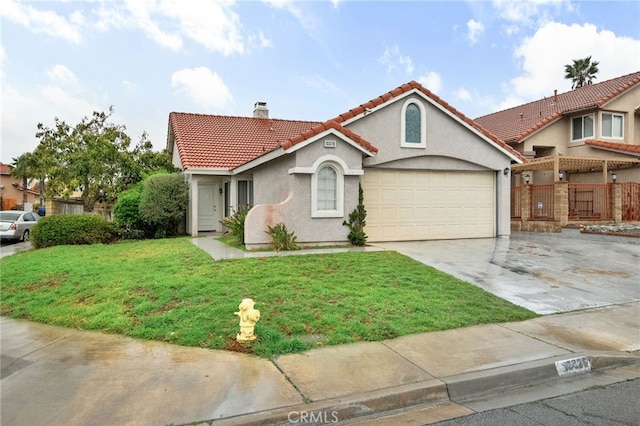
column 8, row 248
column 546, row 273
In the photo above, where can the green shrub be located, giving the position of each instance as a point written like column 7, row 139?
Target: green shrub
column 163, row 202
column 72, row 229
column 235, row 224
column 126, row 215
column 281, row 239
column 357, row 221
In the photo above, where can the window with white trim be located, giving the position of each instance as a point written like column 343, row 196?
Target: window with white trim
column 327, row 189
column 612, row 125
column 413, row 125
column 582, row 127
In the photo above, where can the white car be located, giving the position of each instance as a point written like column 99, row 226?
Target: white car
column 16, row 224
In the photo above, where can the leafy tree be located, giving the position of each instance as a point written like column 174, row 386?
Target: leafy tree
column 93, row 158
column 24, row 168
column 581, row 72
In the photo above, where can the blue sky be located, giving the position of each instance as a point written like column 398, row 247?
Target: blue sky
column 309, row 60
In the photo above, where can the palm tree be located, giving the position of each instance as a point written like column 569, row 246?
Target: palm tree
column 23, row 168
column 581, row 72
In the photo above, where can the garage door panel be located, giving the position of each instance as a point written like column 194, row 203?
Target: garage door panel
column 416, row 205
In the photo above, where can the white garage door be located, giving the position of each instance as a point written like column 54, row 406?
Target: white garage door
column 422, row 205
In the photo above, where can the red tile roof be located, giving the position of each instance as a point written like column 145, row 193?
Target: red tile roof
column 618, row 147
column 5, row 169
column 515, row 124
column 224, row 142
column 327, row 125
column 415, row 85
column 227, row 142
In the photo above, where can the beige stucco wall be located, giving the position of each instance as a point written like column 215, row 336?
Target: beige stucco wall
column 449, row 146
column 555, row 139
column 285, row 197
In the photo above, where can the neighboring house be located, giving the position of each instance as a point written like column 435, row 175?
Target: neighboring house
column 585, row 133
column 427, row 171
column 11, row 190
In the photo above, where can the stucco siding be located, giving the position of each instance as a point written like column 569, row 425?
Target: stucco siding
column 281, row 196
column 445, row 138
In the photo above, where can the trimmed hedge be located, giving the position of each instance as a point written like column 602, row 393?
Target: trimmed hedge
column 74, row 229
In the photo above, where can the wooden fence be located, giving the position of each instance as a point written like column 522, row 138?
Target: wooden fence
column 630, row 200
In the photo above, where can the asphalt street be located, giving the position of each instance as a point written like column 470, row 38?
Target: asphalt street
column 616, row 404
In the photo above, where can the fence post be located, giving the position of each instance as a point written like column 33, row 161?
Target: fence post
column 525, row 203
column 561, row 203
column 616, row 202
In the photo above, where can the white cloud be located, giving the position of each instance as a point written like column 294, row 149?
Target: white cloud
column 39, row 21
column 203, row 87
column 214, row 25
column 392, row 57
column 320, row 83
column 474, row 30
column 308, row 21
column 544, row 55
column 462, row 94
column 62, row 75
column 525, row 12
column 431, row 81
column 130, row 86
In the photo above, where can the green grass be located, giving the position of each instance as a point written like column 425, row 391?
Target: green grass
column 170, row 290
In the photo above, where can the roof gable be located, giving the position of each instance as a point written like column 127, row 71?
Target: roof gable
column 515, row 124
column 415, row 87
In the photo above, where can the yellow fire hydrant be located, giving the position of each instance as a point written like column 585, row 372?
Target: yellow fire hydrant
column 248, row 319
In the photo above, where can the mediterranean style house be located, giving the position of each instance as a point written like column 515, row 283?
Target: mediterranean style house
column 587, row 135
column 426, row 171
column 583, row 156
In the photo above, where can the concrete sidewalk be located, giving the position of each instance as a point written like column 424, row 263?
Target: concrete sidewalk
column 60, row 376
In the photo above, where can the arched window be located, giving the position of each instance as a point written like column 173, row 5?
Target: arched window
column 412, row 124
column 327, row 191
column 413, row 127
column 327, row 188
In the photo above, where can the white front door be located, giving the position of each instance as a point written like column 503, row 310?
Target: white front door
column 208, row 206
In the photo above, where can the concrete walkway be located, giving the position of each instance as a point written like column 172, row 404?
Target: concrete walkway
column 60, row 376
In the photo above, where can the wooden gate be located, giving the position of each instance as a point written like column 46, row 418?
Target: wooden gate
column 630, row 200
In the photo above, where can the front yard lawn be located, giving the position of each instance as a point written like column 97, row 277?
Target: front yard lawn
column 172, row 291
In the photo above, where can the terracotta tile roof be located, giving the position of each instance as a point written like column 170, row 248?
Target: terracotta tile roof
column 515, row 124
column 5, row 169
column 618, row 147
column 225, row 142
column 331, row 124
column 415, row 85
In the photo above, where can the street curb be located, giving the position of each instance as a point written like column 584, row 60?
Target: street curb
column 479, row 383
column 349, row 407
column 431, row 392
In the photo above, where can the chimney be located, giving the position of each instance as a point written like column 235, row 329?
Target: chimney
column 555, row 96
column 260, row 110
